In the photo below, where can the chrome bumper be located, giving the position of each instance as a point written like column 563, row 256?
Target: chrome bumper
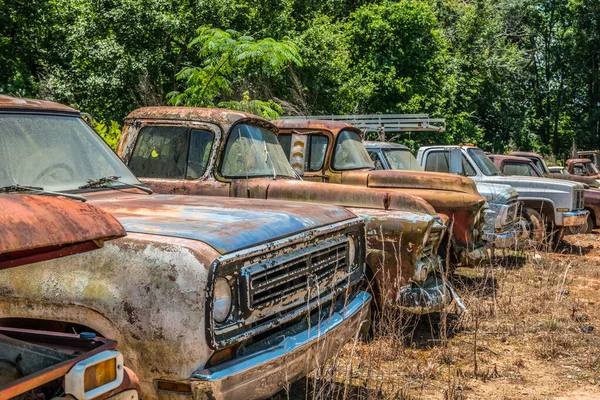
column 433, row 296
column 575, row 218
column 504, row 240
column 266, row 372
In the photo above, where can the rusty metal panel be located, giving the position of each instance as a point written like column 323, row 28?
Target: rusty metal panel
column 36, row 228
column 227, row 224
column 31, row 105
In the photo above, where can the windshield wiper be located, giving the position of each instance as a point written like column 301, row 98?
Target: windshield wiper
column 16, row 188
column 107, row 180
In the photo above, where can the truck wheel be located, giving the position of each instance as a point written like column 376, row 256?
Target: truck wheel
column 535, row 224
column 585, row 228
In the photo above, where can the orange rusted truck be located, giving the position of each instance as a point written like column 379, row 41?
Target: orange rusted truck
column 218, row 152
column 333, row 152
column 207, row 297
column 41, row 364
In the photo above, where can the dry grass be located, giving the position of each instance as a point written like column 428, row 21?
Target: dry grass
column 521, row 337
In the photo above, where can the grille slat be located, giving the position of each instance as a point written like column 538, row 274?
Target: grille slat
column 282, row 282
column 434, row 238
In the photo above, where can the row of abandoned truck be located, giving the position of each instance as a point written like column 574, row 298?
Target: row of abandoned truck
column 211, row 271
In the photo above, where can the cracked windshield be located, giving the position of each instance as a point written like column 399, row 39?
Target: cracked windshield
column 252, row 151
column 350, row 153
column 55, row 153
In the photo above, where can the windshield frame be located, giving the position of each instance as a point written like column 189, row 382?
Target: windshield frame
column 482, row 166
column 86, row 127
column 218, row 169
column 336, row 144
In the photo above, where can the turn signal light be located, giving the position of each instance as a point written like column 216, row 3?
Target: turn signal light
column 100, row 374
column 171, row 386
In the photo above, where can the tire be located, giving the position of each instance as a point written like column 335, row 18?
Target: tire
column 535, row 224
column 585, row 228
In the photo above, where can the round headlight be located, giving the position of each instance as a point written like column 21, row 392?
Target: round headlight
column 221, row 300
column 351, row 250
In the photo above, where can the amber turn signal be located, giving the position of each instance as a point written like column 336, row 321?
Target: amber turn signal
column 100, row 374
column 171, row 386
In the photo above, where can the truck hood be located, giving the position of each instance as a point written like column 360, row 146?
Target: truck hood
column 342, row 195
column 497, row 193
column 415, row 180
column 527, row 183
column 36, row 228
column 226, row 224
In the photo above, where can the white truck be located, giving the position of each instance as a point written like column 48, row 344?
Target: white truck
column 547, row 203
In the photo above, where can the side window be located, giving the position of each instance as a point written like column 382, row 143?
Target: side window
column 317, row 149
column 437, row 161
column 200, row 146
column 376, row 159
column 160, row 152
column 286, row 142
column 578, row 170
column 467, row 168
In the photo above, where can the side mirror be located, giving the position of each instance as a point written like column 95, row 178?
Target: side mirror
column 298, row 153
column 455, row 161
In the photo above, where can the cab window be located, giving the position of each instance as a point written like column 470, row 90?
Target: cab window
column 160, row 152
column 437, row 161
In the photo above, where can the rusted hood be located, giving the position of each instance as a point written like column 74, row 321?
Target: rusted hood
column 226, row 224
column 344, row 195
column 35, row 228
column 415, row 180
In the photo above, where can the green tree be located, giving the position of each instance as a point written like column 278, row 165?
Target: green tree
column 230, row 58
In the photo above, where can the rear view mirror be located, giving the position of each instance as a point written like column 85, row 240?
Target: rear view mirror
column 298, row 153
column 455, row 161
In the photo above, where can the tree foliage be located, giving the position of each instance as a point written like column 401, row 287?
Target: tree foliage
column 505, row 73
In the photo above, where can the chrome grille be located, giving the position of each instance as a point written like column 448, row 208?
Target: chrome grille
column 278, row 282
column 433, row 242
column 578, row 199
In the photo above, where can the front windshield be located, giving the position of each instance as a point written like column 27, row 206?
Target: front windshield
column 484, row 163
column 401, row 159
column 591, row 168
column 539, row 164
column 519, row 169
column 350, row 152
column 58, row 153
column 253, row 151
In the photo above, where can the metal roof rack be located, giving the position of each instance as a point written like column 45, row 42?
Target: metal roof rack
column 388, row 123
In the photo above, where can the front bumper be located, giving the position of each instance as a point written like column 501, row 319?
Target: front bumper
column 433, row 296
column 264, row 373
column 506, row 239
column 575, row 218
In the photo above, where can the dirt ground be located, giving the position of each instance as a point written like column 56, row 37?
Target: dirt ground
column 532, row 331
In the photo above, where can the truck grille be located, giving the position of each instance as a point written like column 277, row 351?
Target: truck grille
column 437, row 231
column 287, row 285
column 578, row 200
column 284, row 281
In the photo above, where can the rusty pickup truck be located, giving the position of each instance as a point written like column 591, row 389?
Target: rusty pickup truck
column 217, row 152
column 208, row 297
column 502, row 228
column 39, row 364
column 333, row 152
